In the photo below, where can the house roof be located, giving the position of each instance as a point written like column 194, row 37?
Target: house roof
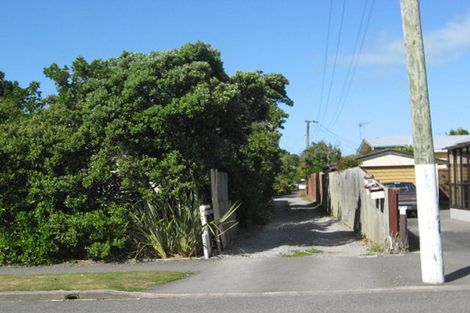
column 381, row 153
column 388, row 157
column 461, row 144
column 440, row 142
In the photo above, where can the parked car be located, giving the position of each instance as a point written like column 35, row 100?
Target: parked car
column 406, row 195
column 302, row 185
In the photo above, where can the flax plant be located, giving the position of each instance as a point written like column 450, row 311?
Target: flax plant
column 171, row 227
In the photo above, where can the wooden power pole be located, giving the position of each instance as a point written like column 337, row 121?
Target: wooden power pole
column 308, row 132
column 432, row 265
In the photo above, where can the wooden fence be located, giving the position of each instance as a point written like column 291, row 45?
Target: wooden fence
column 315, row 187
column 220, row 205
column 375, row 214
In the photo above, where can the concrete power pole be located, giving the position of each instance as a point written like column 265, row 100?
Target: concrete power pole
column 308, row 132
column 432, row 265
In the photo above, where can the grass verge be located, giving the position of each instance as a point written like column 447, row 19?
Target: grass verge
column 301, row 253
column 121, row 281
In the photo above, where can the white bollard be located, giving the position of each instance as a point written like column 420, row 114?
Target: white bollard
column 206, row 240
column 403, row 227
column 403, row 209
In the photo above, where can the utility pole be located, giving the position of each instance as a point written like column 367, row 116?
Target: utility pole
column 432, row 264
column 308, row 131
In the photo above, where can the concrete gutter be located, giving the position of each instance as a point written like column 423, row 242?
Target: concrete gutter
column 97, row 295
column 62, row 295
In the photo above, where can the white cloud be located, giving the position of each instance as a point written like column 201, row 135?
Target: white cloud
column 449, row 42
column 384, row 52
column 441, row 45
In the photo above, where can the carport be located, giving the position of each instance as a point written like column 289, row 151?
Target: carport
column 459, row 184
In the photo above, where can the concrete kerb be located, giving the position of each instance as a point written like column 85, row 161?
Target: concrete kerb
column 62, row 295
column 102, row 295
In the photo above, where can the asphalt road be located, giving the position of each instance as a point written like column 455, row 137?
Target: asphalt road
column 431, row 300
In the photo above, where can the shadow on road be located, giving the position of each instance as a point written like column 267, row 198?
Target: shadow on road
column 455, row 244
column 294, row 223
column 461, row 273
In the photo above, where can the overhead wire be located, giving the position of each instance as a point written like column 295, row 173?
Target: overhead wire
column 325, row 60
column 358, row 46
column 353, row 65
column 352, row 60
column 343, row 140
column 335, row 60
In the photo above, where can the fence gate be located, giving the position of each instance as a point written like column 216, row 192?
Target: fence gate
column 221, row 204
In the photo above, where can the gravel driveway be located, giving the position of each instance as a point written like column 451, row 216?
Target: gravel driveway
column 297, row 225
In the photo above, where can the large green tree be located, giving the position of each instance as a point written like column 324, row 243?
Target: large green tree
column 288, row 174
column 119, row 129
column 317, row 157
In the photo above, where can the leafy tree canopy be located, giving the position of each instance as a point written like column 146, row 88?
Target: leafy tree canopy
column 405, row 149
column 458, row 131
column 288, row 174
column 346, row 162
column 317, row 157
column 76, row 163
column 16, row 101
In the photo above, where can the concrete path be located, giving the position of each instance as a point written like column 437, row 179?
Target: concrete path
column 254, row 266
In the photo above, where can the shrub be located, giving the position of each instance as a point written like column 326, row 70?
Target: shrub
column 73, row 163
column 346, row 162
column 100, row 234
column 36, row 238
column 171, row 226
column 168, row 226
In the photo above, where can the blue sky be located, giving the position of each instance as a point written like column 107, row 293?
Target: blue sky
column 288, row 37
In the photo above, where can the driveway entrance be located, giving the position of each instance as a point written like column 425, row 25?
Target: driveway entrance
column 297, row 225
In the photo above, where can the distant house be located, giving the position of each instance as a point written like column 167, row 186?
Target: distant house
column 383, row 143
column 459, row 180
column 391, row 166
column 379, row 158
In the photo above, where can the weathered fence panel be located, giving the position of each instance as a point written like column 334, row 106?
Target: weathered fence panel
column 356, row 207
column 221, row 204
column 315, row 186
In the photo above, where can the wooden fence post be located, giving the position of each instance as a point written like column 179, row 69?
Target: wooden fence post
column 393, row 213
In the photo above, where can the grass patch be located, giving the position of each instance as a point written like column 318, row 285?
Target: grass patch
column 375, row 249
column 121, row 281
column 303, row 195
column 301, row 253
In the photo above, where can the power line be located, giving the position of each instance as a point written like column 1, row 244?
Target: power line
column 338, row 43
column 355, row 59
column 325, row 59
column 343, row 140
